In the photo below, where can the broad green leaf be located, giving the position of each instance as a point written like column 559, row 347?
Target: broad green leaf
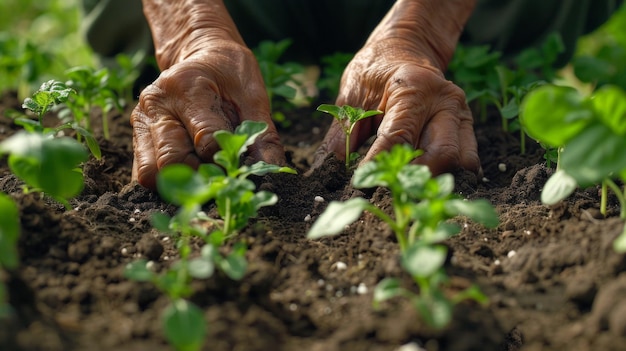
column 92, row 143
column 9, row 233
column 480, row 210
column 559, row 186
column 179, row 184
column 436, row 310
column 210, row 170
column 139, row 271
column 161, row 222
column 422, row 260
column 609, row 103
column 286, row 91
column 263, row 198
column 370, row 175
column 252, row 130
column 594, row 154
column 234, row 265
column 184, row 325
column 261, row 168
column 412, row 178
column 231, row 146
column 333, row 110
column 46, row 163
column 337, row 216
column 201, row 267
column 619, row 245
column 386, row 289
column 553, row 115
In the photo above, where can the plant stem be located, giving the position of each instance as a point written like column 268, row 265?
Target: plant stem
column 398, row 231
column 227, row 218
column 347, row 151
column 621, row 197
column 603, row 196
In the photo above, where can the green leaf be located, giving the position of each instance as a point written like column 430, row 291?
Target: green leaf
column 436, row 310
column 161, row 222
column 92, row 143
column 554, row 115
column 609, row 103
column 422, row 260
column 234, row 265
column 201, row 267
column 480, row 210
column 262, row 168
column 179, row 184
column 46, row 163
column 139, row 271
column 332, row 110
column 9, row 233
column 386, row 289
column 337, row 216
column 184, row 325
column 412, row 178
column 594, row 154
column 619, row 245
column 559, row 186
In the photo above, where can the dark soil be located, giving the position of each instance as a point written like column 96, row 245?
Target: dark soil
column 552, row 278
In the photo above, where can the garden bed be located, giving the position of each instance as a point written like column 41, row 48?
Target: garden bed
column 551, row 276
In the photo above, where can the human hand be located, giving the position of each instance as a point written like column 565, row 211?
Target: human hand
column 399, row 72
column 214, row 89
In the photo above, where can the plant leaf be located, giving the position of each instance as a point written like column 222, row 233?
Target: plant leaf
column 559, row 186
column 336, row 216
column 184, row 325
column 422, row 260
column 386, row 289
column 596, row 153
column 479, row 210
column 179, row 184
column 139, row 271
column 553, row 115
column 609, row 103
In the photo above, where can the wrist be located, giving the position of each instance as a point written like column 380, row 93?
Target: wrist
column 182, row 28
column 429, row 28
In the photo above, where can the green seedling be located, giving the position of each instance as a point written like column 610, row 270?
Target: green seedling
column 51, row 94
column 46, row 164
column 347, row 116
column 591, row 134
column 225, row 182
column 9, row 234
column 278, row 77
column 422, row 208
column 92, row 90
column 22, row 64
column 332, row 70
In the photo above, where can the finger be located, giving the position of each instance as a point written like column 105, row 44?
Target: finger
column 144, row 162
column 334, row 142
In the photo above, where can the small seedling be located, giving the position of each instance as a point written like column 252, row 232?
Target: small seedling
column 348, row 116
column 226, row 183
column 278, row 77
column 590, row 131
column 51, row 94
column 422, row 208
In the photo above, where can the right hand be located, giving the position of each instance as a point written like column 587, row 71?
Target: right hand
column 214, row 89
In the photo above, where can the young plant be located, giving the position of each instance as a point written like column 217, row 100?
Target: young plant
column 92, row 89
column 590, row 133
column 347, row 116
column 278, row 77
column 9, row 234
column 53, row 93
column 225, row 182
column 422, row 208
column 332, row 70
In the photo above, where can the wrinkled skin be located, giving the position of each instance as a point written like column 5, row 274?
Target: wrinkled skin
column 420, row 106
column 177, row 115
column 211, row 81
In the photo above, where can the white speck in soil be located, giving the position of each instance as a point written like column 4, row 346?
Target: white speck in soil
column 307, row 218
column 361, row 289
column 485, row 180
column 321, row 282
column 502, row 167
column 339, row 293
column 496, row 262
column 124, row 251
column 165, row 239
column 150, row 264
column 410, row 347
column 293, row 307
column 319, row 199
column 131, row 219
column 511, row 254
column 340, row 266
column 136, row 211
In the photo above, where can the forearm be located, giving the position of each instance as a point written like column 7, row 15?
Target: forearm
column 182, row 28
column 428, row 27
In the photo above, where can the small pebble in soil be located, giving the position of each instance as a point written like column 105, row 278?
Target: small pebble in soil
column 319, row 199
column 137, row 211
column 124, row 251
column 361, row 289
column 316, row 130
column 410, row 347
column 293, row 307
column 165, row 239
column 527, row 232
column 502, row 167
column 511, row 253
column 307, row 218
column 485, row 180
column 321, row 282
column 150, row 247
column 77, row 208
column 340, row 266
column 131, row 219
column 150, row 264
column 496, row 262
